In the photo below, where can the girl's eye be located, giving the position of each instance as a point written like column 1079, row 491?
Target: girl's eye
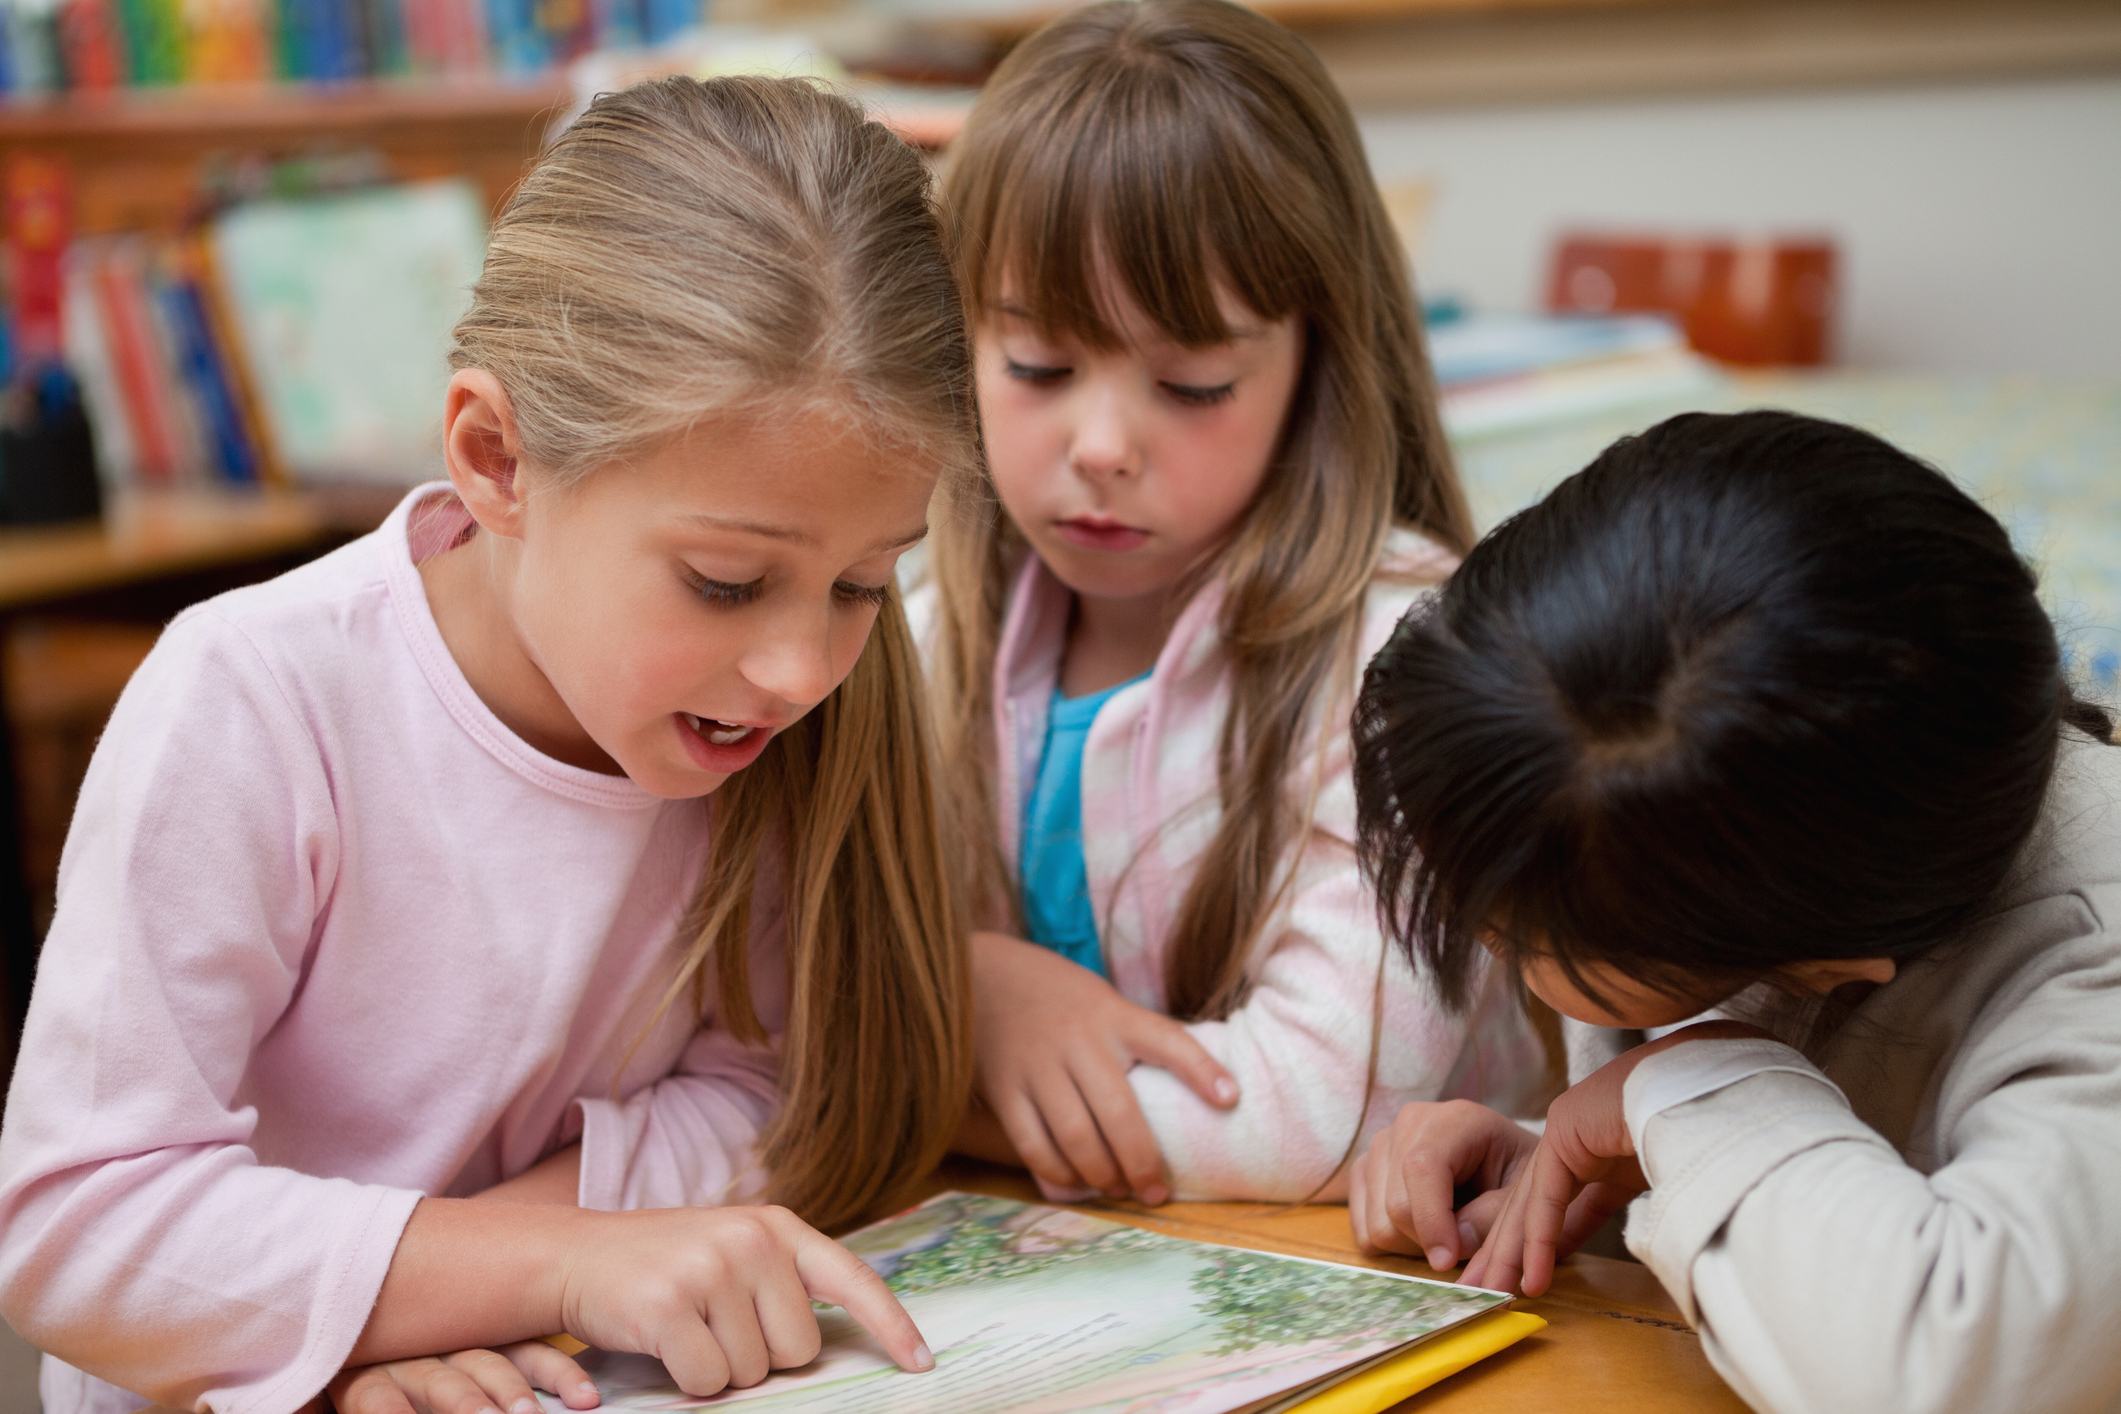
column 716, row 591
column 1038, row 375
column 860, row 593
column 1201, row 397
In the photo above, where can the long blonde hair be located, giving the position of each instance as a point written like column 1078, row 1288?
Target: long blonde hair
column 689, row 248
column 1174, row 145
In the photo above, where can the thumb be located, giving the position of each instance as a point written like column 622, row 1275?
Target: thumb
column 832, row 1274
column 1168, row 1045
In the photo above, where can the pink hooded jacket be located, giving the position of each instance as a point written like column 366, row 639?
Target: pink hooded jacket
column 1299, row 1045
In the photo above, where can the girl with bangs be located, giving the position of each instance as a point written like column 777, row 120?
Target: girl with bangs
column 1218, row 480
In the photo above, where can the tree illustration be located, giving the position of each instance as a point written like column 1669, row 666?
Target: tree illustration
column 1261, row 1300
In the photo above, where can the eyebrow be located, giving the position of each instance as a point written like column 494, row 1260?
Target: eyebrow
column 792, row 535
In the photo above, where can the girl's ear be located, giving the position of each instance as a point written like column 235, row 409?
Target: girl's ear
column 1823, row 975
column 479, row 444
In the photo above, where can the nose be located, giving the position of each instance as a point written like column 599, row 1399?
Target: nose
column 792, row 659
column 1103, row 446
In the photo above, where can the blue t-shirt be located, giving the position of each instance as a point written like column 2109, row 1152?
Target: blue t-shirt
column 1057, row 910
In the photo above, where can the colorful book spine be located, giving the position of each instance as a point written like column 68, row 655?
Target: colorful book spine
column 34, row 61
column 89, row 355
column 620, row 24
column 192, row 450
column 518, row 43
column 39, row 217
column 196, row 365
column 663, row 18
column 131, row 342
column 91, row 45
column 383, row 37
column 225, row 41
column 197, row 256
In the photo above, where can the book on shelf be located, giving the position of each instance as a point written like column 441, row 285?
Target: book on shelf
column 48, row 46
column 1040, row 1310
column 289, row 338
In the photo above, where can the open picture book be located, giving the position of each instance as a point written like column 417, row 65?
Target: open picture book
column 1040, row 1310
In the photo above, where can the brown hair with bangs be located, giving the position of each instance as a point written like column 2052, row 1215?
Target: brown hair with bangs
column 1163, row 148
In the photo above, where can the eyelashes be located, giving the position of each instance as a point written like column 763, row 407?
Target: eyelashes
column 1035, row 374
column 715, row 591
column 1200, row 397
column 873, row 596
column 725, row 595
column 1041, row 376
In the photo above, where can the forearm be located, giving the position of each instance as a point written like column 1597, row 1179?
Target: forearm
column 469, row 1273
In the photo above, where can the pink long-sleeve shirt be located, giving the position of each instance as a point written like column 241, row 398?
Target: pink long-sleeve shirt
column 331, row 937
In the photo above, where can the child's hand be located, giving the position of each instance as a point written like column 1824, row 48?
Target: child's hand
column 1401, row 1191
column 722, row 1295
column 1583, row 1172
column 1055, row 1044
column 469, row 1382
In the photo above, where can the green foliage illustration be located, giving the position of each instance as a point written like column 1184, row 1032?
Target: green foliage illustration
column 983, row 1239
column 1258, row 1300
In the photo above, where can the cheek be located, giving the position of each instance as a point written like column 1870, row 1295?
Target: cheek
column 1024, row 434
column 1216, row 472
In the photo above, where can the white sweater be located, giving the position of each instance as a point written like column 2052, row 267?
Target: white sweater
column 1918, row 1207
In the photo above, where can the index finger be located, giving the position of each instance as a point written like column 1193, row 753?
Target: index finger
column 1546, row 1209
column 832, row 1274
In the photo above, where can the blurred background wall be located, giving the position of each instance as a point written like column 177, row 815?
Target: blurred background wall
column 1979, row 224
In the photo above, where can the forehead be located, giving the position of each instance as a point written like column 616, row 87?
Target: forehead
column 811, row 482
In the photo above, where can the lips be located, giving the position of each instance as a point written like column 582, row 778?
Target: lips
column 1100, row 533
column 719, row 733
column 718, row 746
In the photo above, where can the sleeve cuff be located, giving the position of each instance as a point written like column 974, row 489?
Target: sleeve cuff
column 1704, row 1156
column 1699, row 1068
column 608, row 1136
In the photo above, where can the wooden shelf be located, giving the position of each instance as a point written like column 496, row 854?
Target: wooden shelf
column 153, row 534
column 267, row 110
column 139, row 157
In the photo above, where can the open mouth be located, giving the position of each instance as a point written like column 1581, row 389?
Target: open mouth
column 719, row 733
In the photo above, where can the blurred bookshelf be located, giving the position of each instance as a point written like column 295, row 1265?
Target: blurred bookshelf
column 149, row 158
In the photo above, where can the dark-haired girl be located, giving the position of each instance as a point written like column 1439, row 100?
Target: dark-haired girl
column 1759, row 718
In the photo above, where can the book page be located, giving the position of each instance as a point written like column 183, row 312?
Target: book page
column 1042, row 1311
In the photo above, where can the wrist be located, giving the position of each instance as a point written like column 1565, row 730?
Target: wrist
column 552, row 1298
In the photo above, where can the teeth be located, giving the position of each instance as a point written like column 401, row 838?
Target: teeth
column 720, row 733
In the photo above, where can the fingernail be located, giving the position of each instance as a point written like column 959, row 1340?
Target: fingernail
column 586, row 1390
column 525, row 1405
column 1156, row 1195
column 1226, row 1091
column 1440, row 1258
column 922, row 1359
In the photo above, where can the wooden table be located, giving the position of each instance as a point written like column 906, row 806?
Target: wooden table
column 1614, row 1341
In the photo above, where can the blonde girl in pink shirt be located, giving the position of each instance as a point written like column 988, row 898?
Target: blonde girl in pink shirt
column 569, row 840
column 1218, row 479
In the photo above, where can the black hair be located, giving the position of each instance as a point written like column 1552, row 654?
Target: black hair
column 1749, row 689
